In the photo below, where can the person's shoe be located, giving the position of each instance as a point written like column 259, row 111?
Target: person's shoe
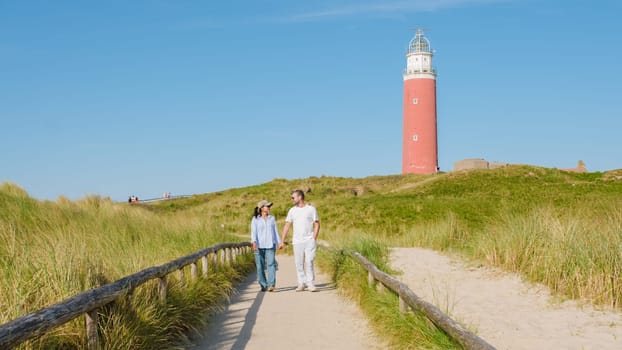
column 300, row 288
column 263, row 289
column 271, row 289
column 311, row 288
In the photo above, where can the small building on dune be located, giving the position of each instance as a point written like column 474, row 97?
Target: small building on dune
column 477, row 163
column 481, row 163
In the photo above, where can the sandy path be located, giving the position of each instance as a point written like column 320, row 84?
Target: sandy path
column 505, row 311
column 286, row 319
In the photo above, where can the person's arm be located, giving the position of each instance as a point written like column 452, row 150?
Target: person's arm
column 316, row 229
column 254, row 234
column 276, row 232
column 316, row 224
column 285, row 231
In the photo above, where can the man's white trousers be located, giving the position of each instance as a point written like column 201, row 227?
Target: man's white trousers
column 304, row 255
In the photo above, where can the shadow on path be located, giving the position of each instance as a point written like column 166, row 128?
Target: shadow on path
column 249, row 323
column 232, row 328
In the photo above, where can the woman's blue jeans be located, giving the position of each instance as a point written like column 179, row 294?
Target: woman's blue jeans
column 264, row 259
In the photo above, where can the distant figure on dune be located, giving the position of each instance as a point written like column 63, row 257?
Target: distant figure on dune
column 581, row 168
column 306, row 229
column 265, row 239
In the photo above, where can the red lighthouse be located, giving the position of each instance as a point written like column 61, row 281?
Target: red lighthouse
column 419, row 145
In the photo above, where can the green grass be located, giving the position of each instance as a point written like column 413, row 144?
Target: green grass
column 558, row 228
column 554, row 227
column 54, row 250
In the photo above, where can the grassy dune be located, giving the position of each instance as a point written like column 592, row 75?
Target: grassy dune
column 54, row 250
column 554, row 227
column 561, row 229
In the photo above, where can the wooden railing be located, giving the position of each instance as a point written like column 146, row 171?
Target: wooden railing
column 38, row 323
column 407, row 298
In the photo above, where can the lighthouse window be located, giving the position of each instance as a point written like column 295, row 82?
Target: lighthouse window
column 415, row 137
column 415, row 101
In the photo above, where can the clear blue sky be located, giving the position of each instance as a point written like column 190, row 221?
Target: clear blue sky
column 141, row 97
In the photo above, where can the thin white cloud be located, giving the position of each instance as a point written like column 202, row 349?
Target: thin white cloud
column 383, row 8
column 354, row 8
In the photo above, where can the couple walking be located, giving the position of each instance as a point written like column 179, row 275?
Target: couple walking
column 265, row 239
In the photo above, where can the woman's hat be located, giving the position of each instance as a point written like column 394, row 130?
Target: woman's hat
column 264, row 203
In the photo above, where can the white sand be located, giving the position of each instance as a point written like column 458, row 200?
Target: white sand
column 503, row 310
column 286, row 319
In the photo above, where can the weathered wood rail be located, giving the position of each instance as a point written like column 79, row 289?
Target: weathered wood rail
column 407, row 298
column 38, row 323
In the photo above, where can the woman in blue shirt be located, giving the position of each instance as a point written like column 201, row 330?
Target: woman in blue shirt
column 265, row 240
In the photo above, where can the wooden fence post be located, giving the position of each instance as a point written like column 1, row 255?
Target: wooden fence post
column 129, row 297
column 194, row 270
column 204, row 263
column 91, row 329
column 234, row 254
column 380, row 287
column 162, row 289
column 403, row 305
column 370, row 279
column 182, row 277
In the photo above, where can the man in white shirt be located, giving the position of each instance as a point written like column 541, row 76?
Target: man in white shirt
column 306, row 229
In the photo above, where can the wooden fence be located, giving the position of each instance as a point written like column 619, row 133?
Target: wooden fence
column 38, row 323
column 407, row 298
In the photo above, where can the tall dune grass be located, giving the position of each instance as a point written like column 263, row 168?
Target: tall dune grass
column 561, row 229
column 576, row 252
column 54, row 250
